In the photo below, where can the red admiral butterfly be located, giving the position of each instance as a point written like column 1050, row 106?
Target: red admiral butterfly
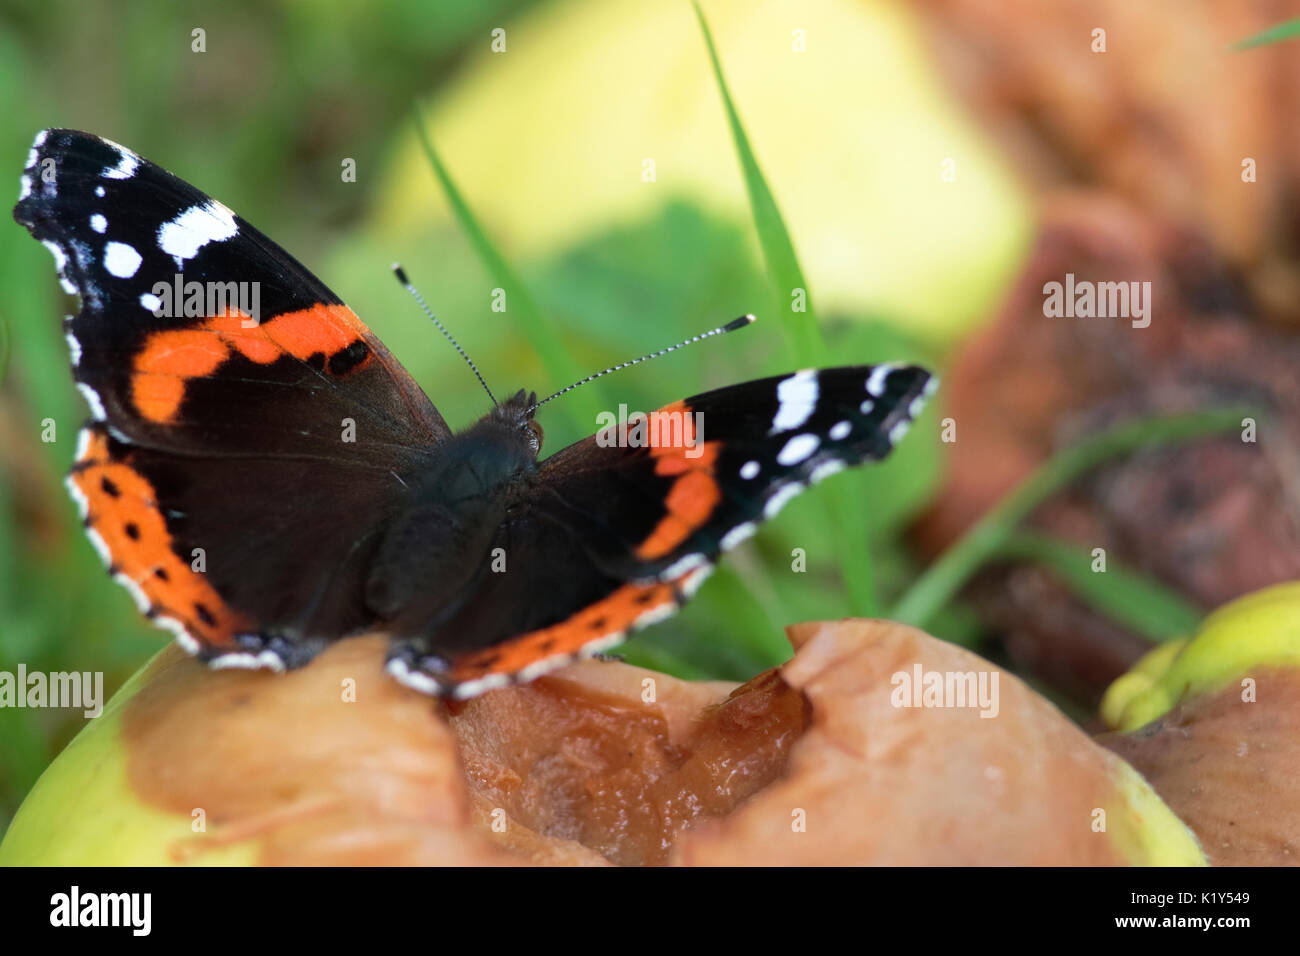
column 265, row 478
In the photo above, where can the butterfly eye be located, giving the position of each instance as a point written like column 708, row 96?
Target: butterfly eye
column 536, row 428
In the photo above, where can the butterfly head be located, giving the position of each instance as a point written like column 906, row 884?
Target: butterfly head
column 496, row 449
column 514, row 416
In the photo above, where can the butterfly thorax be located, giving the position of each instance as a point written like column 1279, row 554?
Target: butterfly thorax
column 439, row 540
column 479, row 461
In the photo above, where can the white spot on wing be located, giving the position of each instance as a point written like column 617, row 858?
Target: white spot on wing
column 749, row 469
column 121, row 260
column 682, row 565
column 56, row 250
column 475, row 687
column 83, row 506
column 100, row 547
column 417, row 680
column 193, row 229
column 151, row 302
column 876, row 381
column 798, row 399
column 692, row 583
column 826, row 469
column 183, row 636
column 840, row 430
column 592, row 648
column 126, row 166
column 797, row 449
column 74, row 348
column 132, row 588
column 92, row 399
column 537, row 669
column 60, row 265
column 654, row 615
column 25, row 184
column 98, row 222
column 739, row 533
column 781, row 498
column 269, row 660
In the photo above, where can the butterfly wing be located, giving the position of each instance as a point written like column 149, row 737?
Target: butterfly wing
column 615, row 535
column 248, row 430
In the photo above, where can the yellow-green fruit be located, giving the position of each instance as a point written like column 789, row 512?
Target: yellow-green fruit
column 1214, row 724
column 1260, row 630
column 83, row 811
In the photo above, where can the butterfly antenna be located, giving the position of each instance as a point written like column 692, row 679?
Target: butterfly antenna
column 731, row 326
column 406, row 283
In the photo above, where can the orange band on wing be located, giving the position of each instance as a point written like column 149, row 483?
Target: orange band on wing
column 694, row 492
column 170, row 358
column 612, row 615
column 122, row 510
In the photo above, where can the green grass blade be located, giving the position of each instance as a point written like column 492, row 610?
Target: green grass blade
column 778, row 251
column 1126, row 596
column 846, row 504
column 583, row 404
column 1283, row 31
column 941, row 582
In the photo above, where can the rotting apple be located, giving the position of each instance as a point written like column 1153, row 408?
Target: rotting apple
column 819, row 761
